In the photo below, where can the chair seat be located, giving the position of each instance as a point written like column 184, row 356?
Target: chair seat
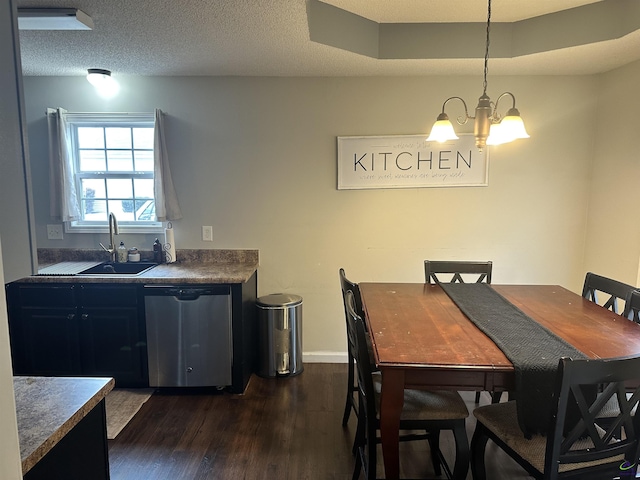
column 502, row 420
column 426, row 404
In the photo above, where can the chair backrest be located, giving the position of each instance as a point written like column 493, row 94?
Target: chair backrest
column 481, row 271
column 358, row 341
column 603, row 425
column 632, row 306
column 614, row 289
column 349, row 286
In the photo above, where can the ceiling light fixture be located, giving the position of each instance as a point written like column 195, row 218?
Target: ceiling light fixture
column 53, row 19
column 489, row 127
column 102, row 80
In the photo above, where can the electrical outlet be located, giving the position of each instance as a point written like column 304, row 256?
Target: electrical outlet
column 54, row 232
column 207, row 233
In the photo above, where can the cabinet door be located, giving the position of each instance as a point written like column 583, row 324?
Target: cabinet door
column 51, row 341
column 44, row 329
column 112, row 334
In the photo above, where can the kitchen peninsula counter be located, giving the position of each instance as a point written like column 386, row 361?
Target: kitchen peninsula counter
column 54, row 415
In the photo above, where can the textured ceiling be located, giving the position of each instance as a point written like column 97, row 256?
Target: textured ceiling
column 272, row 38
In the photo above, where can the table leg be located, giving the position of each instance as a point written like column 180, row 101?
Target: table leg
column 391, row 402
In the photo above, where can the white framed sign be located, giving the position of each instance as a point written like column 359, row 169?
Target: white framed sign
column 409, row 161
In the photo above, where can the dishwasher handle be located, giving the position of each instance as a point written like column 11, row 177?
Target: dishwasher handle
column 189, row 295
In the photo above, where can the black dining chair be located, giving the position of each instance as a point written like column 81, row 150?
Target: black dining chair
column 428, row 411
column 456, row 271
column 600, row 442
column 595, row 284
column 352, row 387
column 632, row 306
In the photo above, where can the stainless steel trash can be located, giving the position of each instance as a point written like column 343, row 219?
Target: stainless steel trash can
column 279, row 335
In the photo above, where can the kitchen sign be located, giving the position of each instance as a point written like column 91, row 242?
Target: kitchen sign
column 409, row 161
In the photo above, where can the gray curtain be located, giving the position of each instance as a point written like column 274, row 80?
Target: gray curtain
column 63, row 198
column 167, row 207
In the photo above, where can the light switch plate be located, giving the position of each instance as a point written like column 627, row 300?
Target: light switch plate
column 207, row 233
column 54, row 232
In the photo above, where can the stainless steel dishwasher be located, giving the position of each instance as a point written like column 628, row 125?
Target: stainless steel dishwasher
column 189, row 335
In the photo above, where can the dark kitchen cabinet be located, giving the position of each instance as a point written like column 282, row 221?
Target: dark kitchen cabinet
column 112, row 334
column 44, row 330
column 78, row 329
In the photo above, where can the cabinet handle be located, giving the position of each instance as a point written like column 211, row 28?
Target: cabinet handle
column 85, row 316
column 71, row 316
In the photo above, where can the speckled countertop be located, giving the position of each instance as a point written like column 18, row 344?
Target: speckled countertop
column 48, row 408
column 192, row 266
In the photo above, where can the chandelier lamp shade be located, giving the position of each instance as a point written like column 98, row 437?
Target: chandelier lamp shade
column 490, row 128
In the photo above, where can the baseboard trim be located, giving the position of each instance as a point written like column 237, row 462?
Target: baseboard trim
column 324, row 357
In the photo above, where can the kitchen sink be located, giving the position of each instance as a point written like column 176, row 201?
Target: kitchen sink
column 109, row 268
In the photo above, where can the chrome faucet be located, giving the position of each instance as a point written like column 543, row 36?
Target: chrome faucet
column 113, row 230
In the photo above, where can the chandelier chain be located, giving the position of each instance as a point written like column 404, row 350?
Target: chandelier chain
column 486, row 51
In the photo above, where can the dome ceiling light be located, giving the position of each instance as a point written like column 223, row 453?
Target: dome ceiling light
column 103, row 82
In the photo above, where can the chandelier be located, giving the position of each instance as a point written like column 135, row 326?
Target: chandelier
column 489, row 127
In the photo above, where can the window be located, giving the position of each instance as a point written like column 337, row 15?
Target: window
column 113, row 171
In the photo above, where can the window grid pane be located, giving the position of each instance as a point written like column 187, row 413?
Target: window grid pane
column 118, row 137
column 91, row 137
column 119, row 160
column 143, row 160
column 92, row 160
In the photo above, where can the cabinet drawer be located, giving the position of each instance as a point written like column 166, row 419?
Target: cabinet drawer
column 48, row 296
column 109, row 296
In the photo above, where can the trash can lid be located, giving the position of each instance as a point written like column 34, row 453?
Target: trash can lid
column 279, row 300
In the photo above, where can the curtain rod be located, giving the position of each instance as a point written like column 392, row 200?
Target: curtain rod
column 106, row 113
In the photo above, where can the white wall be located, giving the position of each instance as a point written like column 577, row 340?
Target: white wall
column 256, row 158
column 10, row 463
column 613, row 233
column 14, row 226
column 16, row 222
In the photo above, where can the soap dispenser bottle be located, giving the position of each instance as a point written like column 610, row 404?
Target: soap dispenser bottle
column 122, row 253
column 157, row 251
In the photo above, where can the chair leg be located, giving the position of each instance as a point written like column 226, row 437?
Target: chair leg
column 358, row 467
column 496, row 397
column 434, row 444
column 461, row 467
column 478, row 445
column 360, row 436
column 371, row 453
column 349, row 401
column 347, row 411
column 478, row 397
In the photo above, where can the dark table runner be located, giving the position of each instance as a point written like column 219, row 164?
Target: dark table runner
column 532, row 348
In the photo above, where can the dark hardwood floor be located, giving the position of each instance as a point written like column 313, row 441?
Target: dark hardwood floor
column 284, row 428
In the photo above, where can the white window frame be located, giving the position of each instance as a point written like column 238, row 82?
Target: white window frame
column 75, row 120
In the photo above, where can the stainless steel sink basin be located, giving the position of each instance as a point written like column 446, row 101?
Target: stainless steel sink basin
column 109, row 268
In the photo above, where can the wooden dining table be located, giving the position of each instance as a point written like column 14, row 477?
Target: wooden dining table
column 422, row 340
